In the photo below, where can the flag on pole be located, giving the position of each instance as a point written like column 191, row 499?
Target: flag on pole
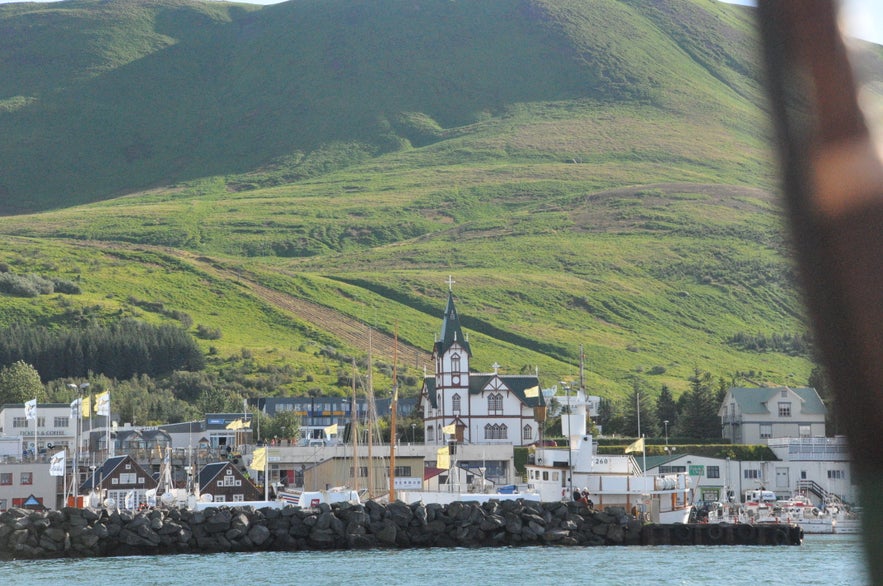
column 237, row 424
column 636, row 446
column 102, row 404
column 443, row 457
column 532, row 392
column 331, row 429
column 259, row 459
column 76, row 405
column 452, row 428
column 31, row 410
column 57, row 464
column 87, row 406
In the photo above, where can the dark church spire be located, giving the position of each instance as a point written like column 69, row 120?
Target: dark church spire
column 451, row 331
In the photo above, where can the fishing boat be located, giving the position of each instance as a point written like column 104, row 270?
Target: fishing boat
column 556, row 473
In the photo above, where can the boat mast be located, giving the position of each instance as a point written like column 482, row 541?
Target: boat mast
column 354, row 430
column 371, row 417
column 392, row 419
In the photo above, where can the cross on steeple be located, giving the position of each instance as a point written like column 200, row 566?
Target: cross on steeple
column 496, row 367
column 451, row 282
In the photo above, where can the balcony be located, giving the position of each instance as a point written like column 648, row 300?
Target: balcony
column 811, row 448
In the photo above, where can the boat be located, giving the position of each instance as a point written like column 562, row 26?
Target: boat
column 556, row 473
column 762, row 507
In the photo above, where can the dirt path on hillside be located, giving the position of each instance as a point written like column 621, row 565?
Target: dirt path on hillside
column 350, row 331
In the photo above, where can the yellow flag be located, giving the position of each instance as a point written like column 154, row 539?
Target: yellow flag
column 87, row 406
column 259, row 459
column 532, row 392
column 237, row 424
column 452, row 428
column 636, row 446
column 331, row 429
column 444, row 458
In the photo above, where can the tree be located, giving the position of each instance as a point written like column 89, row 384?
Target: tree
column 283, row 425
column 699, row 416
column 666, row 408
column 640, row 397
column 20, row 382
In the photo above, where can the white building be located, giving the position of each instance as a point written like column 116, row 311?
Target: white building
column 55, row 429
column 755, row 415
column 482, row 407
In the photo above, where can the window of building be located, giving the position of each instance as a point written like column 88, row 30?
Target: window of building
column 455, row 402
column 5, row 478
column 455, row 363
column 495, row 431
column 713, row 471
column 784, row 393
column 751, row 474
column 495, row 402
column 545, row 475
column 238, row 498
column 527, row 432
column 19, row 422
column 219, row 498
column 672, row 469
column 3, row 506
column 784, row 409
column 804, row 430
column 61, row 422
column 836, row 474
column 403, row 471
column 766, row 430
column 26, row 478
column 430, row 434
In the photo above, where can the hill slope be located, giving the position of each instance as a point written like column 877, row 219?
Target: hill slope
column 592, row 174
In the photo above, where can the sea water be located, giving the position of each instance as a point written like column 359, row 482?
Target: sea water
column 827, row 560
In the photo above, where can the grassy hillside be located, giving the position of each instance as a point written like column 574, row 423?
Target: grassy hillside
column 591, row 174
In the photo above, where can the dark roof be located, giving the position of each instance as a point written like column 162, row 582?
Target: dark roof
column 451, row 331
column 754, row 400
column 210, row 471
column 516, row 383
column 106, row 469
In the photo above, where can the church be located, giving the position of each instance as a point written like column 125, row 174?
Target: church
column 475, row 408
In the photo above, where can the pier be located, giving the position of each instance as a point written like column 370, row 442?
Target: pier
column 73, row 532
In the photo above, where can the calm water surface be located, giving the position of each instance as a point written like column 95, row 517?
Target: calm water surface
column 823, row 560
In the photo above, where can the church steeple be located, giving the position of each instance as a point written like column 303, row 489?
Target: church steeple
column 451, row 331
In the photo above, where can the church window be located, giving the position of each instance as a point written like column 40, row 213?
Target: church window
column 455, row 403
column 455, row 363
column 495, row 402
column 527, row 432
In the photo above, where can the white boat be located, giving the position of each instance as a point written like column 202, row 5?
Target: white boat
column 610, row 480
column 762, row 507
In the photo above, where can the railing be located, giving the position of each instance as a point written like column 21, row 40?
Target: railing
column 812, row 448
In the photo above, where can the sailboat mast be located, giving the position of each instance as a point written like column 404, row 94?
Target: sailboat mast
column 371, row 418
column 354, row 429
column 392, row 419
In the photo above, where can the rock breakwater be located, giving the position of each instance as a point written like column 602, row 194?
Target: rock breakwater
column 72, row 532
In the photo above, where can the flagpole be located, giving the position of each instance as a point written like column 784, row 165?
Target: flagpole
column 36, row 451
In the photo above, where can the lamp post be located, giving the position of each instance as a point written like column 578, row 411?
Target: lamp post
column 76, row 467
column 666, row 434
column 413, row 433
column 569, row 443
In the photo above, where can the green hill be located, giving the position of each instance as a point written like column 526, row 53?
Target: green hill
column 591, row 174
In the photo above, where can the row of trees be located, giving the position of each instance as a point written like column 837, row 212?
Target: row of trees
column 694, row 415
column 125, row 349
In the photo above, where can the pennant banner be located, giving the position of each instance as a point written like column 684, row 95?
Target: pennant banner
column 57, row 464
column 258, row 459
column 76, row 405
column 87, row 406
column 102, row 404
column 452, row 428
column 636, row 446
column 331, row 429
column 443, row 457
column 31, row 410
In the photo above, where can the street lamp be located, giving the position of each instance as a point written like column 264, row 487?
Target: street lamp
column 76, row 471
column 413, row 433
column 666, row 434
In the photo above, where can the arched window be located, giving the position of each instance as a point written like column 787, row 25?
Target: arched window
column 495, row 402
column 430, row 433
column 503, row 431
column 455, row 403
column 527, row 432
column 488, row 431
column 455, row 363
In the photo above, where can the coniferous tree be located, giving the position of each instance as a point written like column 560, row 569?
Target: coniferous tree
column 699, row 416
column 667, row 408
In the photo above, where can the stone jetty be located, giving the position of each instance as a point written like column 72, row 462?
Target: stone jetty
column 72, row 532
